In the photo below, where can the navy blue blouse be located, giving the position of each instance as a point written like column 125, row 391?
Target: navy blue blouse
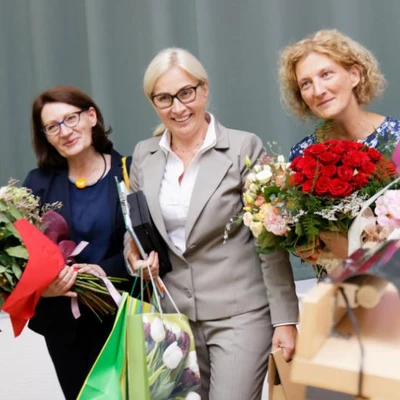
column 91, row 219
column 387, row 131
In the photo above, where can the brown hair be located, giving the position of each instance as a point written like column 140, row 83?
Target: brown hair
column 339, row 48
column 46, row 155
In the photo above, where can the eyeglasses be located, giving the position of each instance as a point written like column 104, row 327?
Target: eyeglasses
column 70, row 121
column 185, row 95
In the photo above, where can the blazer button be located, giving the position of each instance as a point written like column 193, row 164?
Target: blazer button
column 188, row 293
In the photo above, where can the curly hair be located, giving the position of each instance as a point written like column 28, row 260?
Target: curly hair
column 342, row 50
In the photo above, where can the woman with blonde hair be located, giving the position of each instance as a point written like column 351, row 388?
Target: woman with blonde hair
column 192, row 173
column 330, row 77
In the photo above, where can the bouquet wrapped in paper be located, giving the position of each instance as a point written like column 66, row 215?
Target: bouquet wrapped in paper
column 34, row 248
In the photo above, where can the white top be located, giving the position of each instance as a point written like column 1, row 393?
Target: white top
column 175, row 196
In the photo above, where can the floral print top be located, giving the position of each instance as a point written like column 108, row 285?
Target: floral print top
column 386, row 134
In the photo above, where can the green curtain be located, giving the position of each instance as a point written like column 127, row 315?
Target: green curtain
column 104, row 46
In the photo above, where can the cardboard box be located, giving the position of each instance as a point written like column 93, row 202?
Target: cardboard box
column 280, row 387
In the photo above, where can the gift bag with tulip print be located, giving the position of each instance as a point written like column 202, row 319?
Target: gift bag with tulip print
column 107, row 379
column 162, row 360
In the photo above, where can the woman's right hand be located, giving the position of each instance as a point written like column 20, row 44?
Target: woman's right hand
column 62, row 284
column 137, row 263
column 309, row 253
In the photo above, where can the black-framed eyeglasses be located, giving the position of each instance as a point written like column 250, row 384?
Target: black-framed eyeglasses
column 70, row 121
column 185, row 95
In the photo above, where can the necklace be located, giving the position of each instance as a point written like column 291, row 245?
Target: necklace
column 81, row 183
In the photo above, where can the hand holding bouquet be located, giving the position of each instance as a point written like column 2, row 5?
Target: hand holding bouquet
column 30, row 261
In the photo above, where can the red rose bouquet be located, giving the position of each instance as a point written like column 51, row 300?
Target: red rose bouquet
column 288, row 205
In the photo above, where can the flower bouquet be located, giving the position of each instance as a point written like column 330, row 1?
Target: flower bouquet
column 30, row 260
column 287, row 205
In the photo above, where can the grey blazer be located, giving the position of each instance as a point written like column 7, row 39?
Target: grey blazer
column 212, row 280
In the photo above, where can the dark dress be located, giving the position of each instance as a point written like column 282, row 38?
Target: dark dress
column 387, row 132
column 93, row 214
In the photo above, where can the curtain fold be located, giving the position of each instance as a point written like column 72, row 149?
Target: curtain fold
column 104, row 46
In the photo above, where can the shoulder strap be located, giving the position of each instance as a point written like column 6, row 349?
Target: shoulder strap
column 125, row 175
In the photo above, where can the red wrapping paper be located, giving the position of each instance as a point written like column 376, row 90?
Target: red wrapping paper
column 44, row 264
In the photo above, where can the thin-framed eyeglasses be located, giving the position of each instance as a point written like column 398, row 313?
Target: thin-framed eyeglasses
column 70, row 121
column 185, row 95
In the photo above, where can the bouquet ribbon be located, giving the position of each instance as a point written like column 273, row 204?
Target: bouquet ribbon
column 44, row 264
column 116, row 296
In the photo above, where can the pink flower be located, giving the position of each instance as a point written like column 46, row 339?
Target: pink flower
column 276, row 224
column 388, row 209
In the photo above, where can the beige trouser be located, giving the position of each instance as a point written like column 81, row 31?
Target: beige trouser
column 233, row 355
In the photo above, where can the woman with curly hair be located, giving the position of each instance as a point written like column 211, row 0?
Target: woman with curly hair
column 331, row 77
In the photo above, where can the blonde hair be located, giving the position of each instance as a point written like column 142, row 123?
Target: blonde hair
column 339, row 48
column 162, row 62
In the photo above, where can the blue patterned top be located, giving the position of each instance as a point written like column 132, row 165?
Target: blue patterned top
column 387, row 132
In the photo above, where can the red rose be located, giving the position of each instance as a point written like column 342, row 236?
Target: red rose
column 339, row 188
column 297, row 163
column 360, row 180
column 298, row 178
column 322, row 185
column 315, row 149
column 345, row 173
column 391, row 168
column 349, row 145
column 374, row 154
column 328, row 170
column 368, row 167
column 385, row 169
column 310, row 167
column 307, row 186
column 354, row 158
column 329, row 157
column 335, row 146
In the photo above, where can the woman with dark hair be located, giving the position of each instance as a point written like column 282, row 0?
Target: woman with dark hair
column 77, row 166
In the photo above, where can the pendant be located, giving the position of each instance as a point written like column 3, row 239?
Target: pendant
column 80, row 183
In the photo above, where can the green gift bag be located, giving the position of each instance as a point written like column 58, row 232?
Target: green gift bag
column 107, row 379
column 162, row 361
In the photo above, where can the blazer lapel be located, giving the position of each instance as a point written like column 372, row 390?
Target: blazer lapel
column 212, row 169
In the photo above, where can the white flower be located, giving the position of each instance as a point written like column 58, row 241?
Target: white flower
column 247, row 218
column 253, row 188
column 172, row 355
column 256, row 228
column 251, row 177
column 191, row 362
column 265, row 175
column 157, row 331
column 280, row 159
column 192, row 396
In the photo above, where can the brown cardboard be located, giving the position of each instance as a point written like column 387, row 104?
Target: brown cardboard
column 280, row 386
column 332, row 361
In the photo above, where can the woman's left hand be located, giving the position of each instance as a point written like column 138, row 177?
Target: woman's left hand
column 285, row 338
column 93, row 269
column 335, row 242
